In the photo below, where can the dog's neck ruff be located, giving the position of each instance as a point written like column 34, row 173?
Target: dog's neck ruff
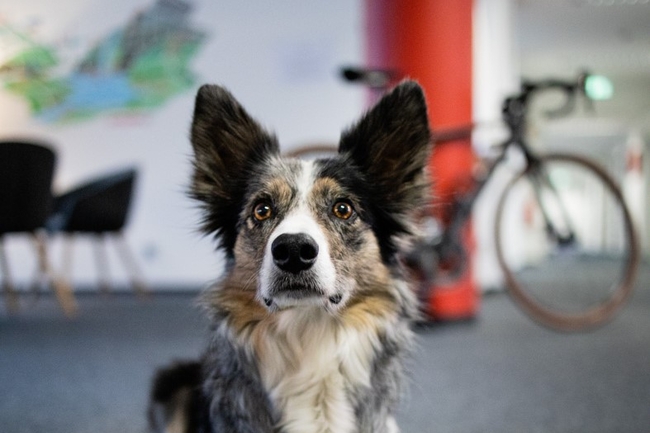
column 310, row 367
column 311, row 362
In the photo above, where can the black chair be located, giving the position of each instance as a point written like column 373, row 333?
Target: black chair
column 26, row 172
column 99, row 208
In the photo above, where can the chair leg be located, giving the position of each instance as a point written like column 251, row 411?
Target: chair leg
column 10, row 294
column 131, row 265
column 61, row 287
column 68, row 244
column 101, row 258
column 41, row 278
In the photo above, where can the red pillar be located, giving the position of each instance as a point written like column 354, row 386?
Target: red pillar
column 431, row 41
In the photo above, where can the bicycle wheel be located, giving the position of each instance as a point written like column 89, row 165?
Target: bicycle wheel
column 566, row 243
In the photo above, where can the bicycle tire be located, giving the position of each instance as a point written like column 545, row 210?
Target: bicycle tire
column 602, row 311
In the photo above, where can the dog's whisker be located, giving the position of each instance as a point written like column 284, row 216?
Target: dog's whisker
column 248, row 284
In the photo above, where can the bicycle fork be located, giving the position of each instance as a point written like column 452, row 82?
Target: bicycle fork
column 558, row 226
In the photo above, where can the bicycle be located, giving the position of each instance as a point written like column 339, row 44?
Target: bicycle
column 571, row 210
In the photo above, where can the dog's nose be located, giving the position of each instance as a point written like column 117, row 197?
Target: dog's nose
column 294, row 252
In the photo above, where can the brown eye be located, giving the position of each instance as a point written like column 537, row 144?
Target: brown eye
column 342, row 210
column 262, row 211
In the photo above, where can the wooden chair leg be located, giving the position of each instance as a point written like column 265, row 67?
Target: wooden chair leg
column 61, row 287
column 68, row 244
column 131, row 265
column 101, row 258
column 10, row 294
column 41, row 278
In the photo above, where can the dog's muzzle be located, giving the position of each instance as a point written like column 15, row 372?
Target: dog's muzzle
column 294, row 252
column 297, row 274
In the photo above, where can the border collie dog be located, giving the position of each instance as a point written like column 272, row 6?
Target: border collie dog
column 311, row 321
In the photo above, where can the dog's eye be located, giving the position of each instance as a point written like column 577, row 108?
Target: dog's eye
column 262, row 211
column 342, row 210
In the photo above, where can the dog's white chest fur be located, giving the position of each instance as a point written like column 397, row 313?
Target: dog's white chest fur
column 310, row 365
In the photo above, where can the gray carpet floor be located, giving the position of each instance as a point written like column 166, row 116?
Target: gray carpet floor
column 500, row 373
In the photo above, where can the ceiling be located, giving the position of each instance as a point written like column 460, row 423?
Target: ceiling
column 609, row 37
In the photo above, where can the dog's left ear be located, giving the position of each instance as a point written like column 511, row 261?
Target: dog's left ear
column 228, row 145
column 390, row 145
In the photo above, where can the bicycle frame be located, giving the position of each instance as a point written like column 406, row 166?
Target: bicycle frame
column 514, row 112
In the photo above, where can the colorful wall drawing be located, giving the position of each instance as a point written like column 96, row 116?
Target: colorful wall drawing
column 135, row 68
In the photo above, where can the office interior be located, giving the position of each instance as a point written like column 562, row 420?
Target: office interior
column 109, row 88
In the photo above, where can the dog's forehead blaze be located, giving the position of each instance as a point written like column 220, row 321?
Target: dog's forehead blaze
column 292, row 183
column 283, row 178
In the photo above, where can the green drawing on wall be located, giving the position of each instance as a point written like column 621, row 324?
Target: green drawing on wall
column 135, row 68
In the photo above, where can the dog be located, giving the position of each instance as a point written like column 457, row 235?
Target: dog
column 311, row 323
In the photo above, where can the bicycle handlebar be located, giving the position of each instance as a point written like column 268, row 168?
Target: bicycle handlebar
column 571, row 90
column 515, row 107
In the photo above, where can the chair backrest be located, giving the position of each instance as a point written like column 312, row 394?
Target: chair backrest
column 26, row 172
column 99, row 206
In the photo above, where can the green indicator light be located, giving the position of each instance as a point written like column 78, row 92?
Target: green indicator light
column 599, row 87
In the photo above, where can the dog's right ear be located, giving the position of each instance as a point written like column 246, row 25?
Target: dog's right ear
column 228, row 144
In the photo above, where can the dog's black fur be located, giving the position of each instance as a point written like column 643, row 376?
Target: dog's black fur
column 179, row 388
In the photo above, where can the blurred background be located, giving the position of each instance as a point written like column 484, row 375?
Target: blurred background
column 63, row 82
column 110, row 86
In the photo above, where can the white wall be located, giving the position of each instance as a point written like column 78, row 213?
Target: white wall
column 280, row 59
column 495, row 76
